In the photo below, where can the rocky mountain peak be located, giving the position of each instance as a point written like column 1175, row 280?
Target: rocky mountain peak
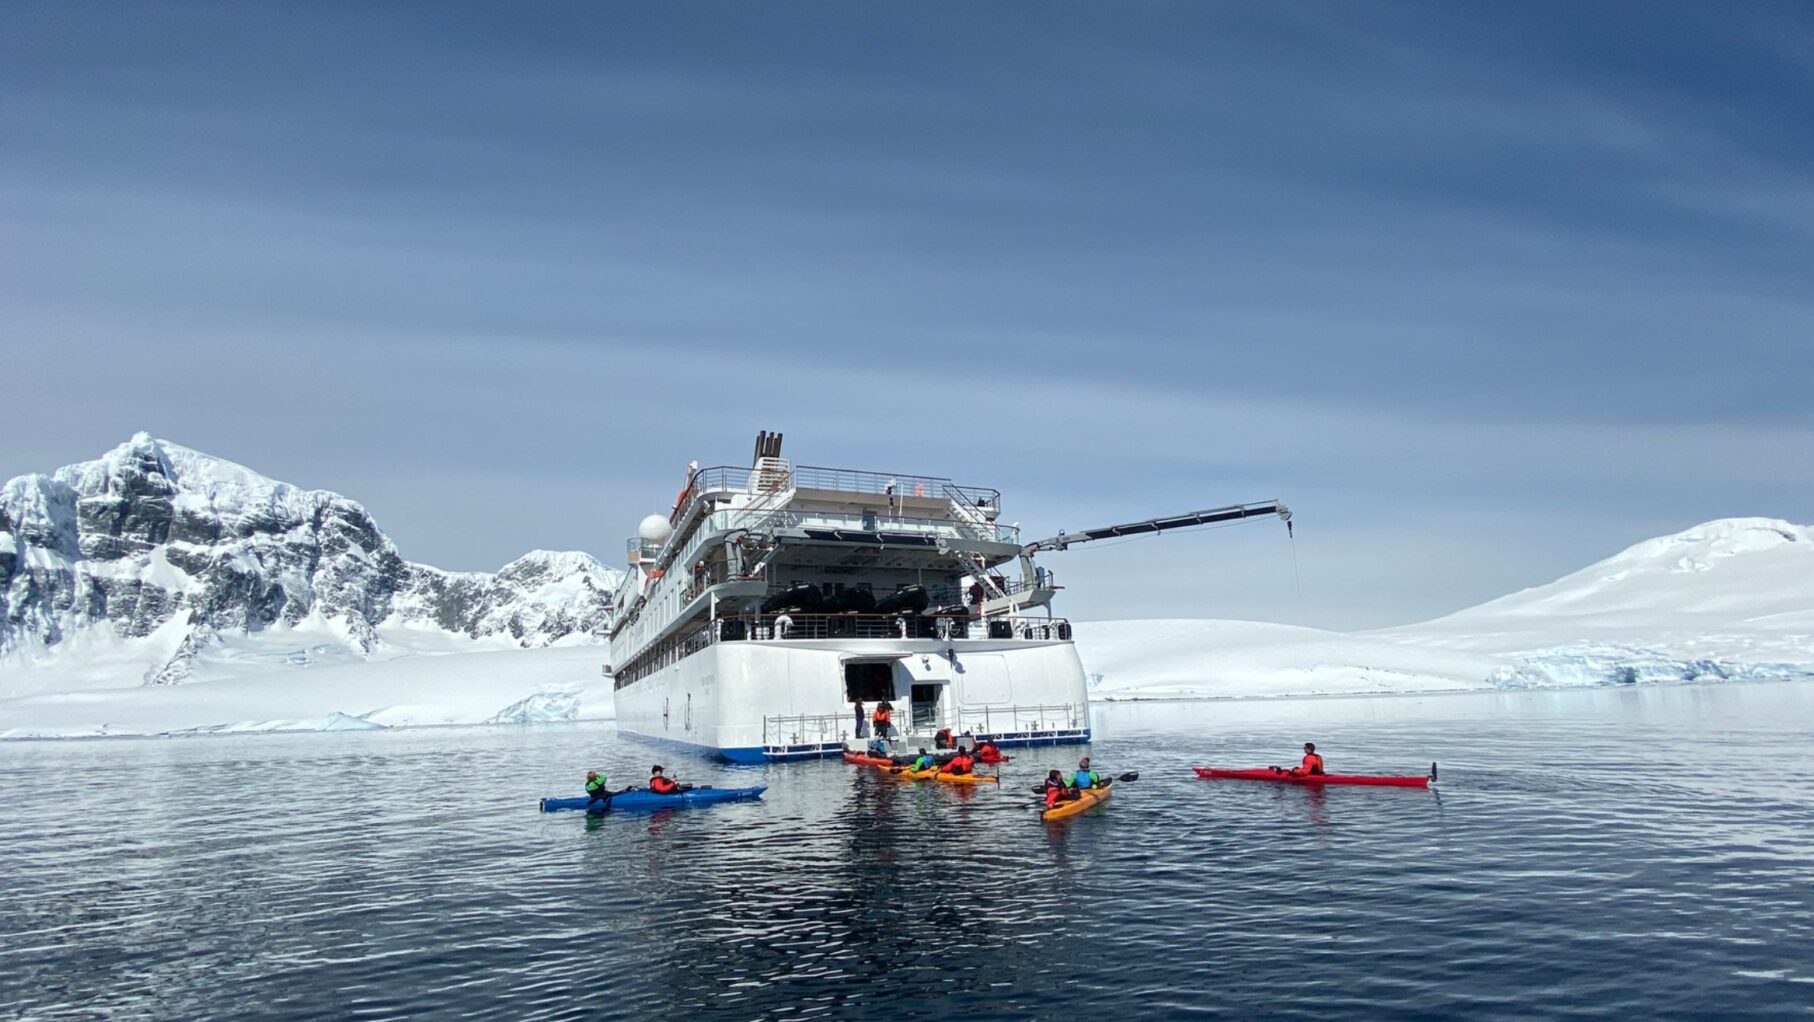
column 153, row 532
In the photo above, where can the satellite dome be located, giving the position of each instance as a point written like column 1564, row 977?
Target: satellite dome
column 655, row 529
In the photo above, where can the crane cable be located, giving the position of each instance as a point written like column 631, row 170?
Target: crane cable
column 1291, row 536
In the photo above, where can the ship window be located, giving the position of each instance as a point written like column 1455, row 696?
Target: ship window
column 869, row 682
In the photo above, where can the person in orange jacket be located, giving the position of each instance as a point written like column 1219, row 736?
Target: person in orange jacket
column 882, row 721
column 661, row 784
column 1313, row 763
column 962, row 763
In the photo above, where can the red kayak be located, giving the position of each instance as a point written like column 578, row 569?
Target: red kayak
column 1287, row 777
column 862, row 760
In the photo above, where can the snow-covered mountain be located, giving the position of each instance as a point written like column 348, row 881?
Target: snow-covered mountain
column 1731, row 599
column 136, row 564
column 1736, row 587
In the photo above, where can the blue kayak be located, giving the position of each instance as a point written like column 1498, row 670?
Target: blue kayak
column 648, row 800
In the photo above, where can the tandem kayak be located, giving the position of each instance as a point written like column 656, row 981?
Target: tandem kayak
column 1287, row 777
column 1086, row 799
column 968, row 779
column 648, row 800
column 914, row 775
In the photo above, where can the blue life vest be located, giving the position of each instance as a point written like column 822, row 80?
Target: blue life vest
column 1085, row 779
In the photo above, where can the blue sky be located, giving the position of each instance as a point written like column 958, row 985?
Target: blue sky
column 1485, row 292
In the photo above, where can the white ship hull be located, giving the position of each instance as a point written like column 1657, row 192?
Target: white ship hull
column 765, row 700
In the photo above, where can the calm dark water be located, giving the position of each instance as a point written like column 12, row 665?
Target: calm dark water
column 1590, row 855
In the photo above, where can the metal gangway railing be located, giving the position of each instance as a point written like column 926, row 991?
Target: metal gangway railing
column 802, row 729
column 807, row 729
column 996, row 720
column 808, row 734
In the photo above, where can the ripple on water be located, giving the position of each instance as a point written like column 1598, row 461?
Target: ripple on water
column 1587, row 855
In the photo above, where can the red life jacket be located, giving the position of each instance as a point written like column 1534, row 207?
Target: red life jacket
column 989, row 754
column 662, row 786
column 1313, row 763
column 960, row 764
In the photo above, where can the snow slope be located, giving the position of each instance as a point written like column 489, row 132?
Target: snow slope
column 1729, row 600
column 336, row 691
column 1171, row 659
column 1735, row 589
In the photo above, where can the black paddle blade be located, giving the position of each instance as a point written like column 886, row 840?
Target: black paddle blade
column 1131, row 775
column 1432, row 771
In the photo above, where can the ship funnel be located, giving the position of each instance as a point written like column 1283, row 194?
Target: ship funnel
column 768, row 445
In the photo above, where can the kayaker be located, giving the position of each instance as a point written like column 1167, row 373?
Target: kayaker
column 878, row 747
column 988, row 752
column 1313, row 763
column 883, row 719
column 661, row 784
column 1056, row 790
column 596, row 790
column 923, row 761
column 1085, row 778
column 962, row 763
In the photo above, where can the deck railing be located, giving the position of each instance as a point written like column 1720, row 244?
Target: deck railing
column 768, row 627
column 807, row 728
column 723, row 478
column 801, row 729
column 987, row 720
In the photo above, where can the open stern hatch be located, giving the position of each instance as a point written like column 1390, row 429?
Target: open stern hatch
column 770, row 600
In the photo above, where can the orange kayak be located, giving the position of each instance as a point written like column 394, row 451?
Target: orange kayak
column 968, row 779
column 860, row 759
column 1086, row 799
column 904, row 774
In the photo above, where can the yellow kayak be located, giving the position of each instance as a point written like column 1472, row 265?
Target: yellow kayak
column 1084, row 800
column 968, row 779
column 914, row 775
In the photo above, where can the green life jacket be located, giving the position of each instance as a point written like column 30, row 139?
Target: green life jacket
column 922, row 763
column 594, row 787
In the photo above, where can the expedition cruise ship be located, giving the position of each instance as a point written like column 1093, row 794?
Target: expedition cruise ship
column 772, row 599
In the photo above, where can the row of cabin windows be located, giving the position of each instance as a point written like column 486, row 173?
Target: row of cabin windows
column 671, row 650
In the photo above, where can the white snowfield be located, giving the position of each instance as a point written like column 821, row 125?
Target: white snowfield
column 1729, row 600
column 300, row 680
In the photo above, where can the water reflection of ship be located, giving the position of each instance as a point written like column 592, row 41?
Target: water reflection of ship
column 889, row 894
